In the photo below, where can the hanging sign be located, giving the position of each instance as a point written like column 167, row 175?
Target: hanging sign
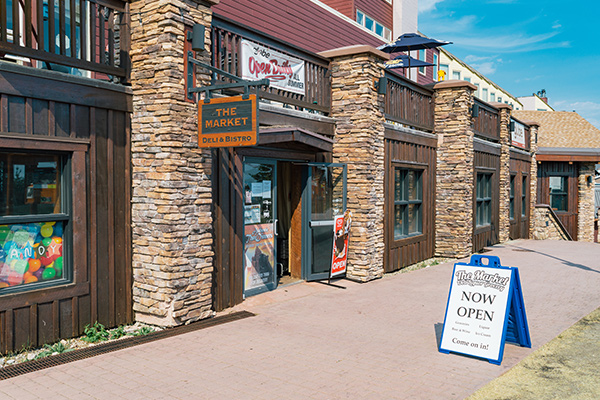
column 284, row 72
column 485, row 309
column 518, row 135
column 341, row 231
column 228, row 122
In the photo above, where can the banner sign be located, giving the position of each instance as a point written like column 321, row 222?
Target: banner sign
column 341, row 231
column 259, row 260
column 283, row 71
column 228, row 122
column 485, row 309
column 518, row 135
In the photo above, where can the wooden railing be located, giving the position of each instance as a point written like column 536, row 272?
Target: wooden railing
column 487, row 123
column 226, row 55
column 90, row 35
column 408, row 103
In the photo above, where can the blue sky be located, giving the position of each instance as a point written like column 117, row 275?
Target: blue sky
column 525, row 46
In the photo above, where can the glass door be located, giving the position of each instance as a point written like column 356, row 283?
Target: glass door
column 260, row 209
column 325, row 198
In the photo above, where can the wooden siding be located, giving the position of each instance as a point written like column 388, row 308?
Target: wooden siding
column 345, row 7
column 300, row 23
column 408, row 103
column 547, row 169
column 412, row 151
column 487, row 123
column 520, row 167
column 487, row 160
column 91, row 126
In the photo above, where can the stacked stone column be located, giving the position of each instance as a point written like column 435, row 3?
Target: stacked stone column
column 171, row 199
column 533, row 178
column 455, row 166
column 585, row 217
column 359, row 142
column 504, row 206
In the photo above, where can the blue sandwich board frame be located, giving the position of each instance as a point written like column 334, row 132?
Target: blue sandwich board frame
column 469, row 326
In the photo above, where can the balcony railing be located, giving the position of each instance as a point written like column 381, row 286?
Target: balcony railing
column 408, row 103
column 226, row 55
column 487, row 123
column 85, row 35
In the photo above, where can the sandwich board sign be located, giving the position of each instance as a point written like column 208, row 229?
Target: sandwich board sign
column 485, row 309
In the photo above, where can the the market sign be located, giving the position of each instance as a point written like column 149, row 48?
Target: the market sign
column 283, row 71
column 485, row 309
column 518, row 135
column 228, row 122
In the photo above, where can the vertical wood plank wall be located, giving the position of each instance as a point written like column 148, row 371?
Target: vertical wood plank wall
column 547, row 169
column 420, row 152
column 487, row 160
column 96, row 120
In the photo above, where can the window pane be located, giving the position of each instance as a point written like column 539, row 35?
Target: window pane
column 399, row 211
column 379, row 29
column 30, row 253
column 559, row 202
column 557, row 183
column 414, row 218
column 29, row 184
column 399, row 185
column 413, row 185
column 368, row 23
column 360, row 17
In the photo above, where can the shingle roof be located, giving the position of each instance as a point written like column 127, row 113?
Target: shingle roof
column 563, row 129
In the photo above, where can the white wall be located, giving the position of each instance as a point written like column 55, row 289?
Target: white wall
column 405, row 14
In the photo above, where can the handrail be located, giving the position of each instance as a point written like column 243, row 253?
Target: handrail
column 558, row 221
column 408, row 103
column 487, row 123
column 84, row 34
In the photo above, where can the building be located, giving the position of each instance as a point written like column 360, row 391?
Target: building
column 536, row 102
column 569, row 148
column 487, row 90
column 152, row 222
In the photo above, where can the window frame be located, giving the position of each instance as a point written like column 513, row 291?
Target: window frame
column 511, row 206
column 422, row 52
column 420, row 201
column 361, row 19
column 483, row 201
column 565, row 194
column 75, row 183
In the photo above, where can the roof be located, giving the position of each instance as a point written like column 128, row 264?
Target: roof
column 308, row 24
column 563, row 135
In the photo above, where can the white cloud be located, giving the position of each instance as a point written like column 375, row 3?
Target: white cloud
column 473, row 59
column 428, row 5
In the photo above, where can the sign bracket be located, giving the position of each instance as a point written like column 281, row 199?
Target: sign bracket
column 238, row 82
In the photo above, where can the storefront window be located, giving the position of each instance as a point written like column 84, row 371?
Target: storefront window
column 558, row 193
column 512, row 197
column 33, row 219
column 484, row 200
column 524, row 188
column 408, row 202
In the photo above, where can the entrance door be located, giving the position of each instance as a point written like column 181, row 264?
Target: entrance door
column 324, row 199
column 260, row 209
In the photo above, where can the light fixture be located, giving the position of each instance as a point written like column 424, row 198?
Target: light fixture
column 197, row 37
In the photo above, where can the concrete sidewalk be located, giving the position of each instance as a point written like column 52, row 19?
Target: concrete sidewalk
column 311, row 341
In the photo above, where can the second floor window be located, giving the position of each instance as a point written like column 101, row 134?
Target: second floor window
column 376, row 27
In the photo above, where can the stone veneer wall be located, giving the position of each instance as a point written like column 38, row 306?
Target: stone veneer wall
column 359, row 142
column 455, row 157
column 546, row 225
column 585, row 217
column 533, row 178
column 171, row 202
column 504, row 178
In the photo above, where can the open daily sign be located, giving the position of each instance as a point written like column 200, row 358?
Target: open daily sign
column 479, row 304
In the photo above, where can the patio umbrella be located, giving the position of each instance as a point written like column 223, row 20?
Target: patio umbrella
column 409, row 42
column 404, row 61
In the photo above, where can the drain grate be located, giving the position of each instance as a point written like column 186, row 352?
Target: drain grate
column 12, row 371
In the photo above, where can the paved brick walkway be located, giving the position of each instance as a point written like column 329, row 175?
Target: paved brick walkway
column 311, row 341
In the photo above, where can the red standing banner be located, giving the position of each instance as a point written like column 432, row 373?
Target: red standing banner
column 341, row 231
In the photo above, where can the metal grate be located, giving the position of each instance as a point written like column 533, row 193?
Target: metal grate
column 12, row 371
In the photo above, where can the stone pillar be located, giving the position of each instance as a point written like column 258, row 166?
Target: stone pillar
column 534, row 128
column 171, row 198
column 504, row 206
column 455, row 168
column 585, row 216
column 359, row 142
